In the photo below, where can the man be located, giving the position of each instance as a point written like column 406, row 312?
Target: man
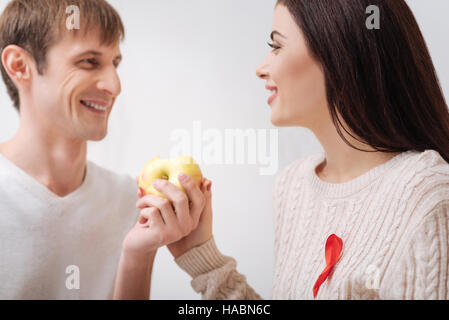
column 66, row 224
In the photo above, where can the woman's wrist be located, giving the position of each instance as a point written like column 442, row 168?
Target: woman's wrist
column 185, row 245
column 202, row 259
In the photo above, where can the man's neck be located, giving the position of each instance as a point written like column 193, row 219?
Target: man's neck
column 59, row 164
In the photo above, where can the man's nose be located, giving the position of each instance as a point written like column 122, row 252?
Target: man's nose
column 110, row 82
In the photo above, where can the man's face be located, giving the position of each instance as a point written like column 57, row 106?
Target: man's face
column 78, row 88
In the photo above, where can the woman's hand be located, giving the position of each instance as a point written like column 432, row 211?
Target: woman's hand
column 160, row 223
column 198, row 227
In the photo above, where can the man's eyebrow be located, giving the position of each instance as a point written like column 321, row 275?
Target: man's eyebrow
column 98, row 54
column 92, row 52
column 276, row 33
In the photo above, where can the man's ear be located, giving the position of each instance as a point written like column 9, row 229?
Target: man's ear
column 17, row 63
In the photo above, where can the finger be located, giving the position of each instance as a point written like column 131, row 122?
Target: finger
column 207, row 191
column 155, row 218
column 195, row 195
column 144, row 215
column 179, row 201
column 143, row 220
column 140, row 191
column 206, row 186
column 164, row 206
column 151, row 216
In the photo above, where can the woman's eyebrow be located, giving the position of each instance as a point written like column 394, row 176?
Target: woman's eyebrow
column 276, row 33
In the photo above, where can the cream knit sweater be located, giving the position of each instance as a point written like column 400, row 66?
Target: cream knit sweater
column 393, row 221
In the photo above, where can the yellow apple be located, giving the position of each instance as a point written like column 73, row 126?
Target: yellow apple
column 168, row 169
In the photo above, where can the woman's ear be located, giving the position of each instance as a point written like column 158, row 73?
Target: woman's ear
column 16, row 62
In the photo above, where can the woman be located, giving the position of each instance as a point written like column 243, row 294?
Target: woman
column 382, row 186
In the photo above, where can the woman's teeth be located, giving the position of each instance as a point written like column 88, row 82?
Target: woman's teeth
column 94, row 106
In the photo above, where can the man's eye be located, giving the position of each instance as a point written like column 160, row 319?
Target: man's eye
column 275, row 47
column 91, row 62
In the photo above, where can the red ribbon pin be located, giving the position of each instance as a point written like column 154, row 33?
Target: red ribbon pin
column 334, row 246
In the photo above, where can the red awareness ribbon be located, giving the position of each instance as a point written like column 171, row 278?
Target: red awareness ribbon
column 334, row 246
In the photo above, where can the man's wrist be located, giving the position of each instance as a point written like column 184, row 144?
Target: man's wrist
column 136, row 261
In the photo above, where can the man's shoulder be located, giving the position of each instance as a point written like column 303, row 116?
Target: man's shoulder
column 110, row 178
column 115, row 191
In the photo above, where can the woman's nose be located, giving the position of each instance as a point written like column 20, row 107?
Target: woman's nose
column 261, row 70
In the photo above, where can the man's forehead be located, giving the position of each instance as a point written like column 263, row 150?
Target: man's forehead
column 77, row 44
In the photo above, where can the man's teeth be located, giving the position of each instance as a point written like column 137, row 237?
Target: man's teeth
column 94, row 106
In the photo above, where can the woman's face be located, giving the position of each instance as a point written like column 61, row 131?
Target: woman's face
column 295, row 79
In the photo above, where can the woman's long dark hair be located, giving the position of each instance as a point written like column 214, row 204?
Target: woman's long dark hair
column 381, row 81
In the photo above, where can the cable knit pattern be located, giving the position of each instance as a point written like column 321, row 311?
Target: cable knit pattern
column 215, row 275
column 393, row 221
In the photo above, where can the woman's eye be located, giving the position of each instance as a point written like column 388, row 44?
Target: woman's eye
column 275, row 47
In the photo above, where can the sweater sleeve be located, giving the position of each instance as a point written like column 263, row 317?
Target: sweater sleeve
column 423, row 269
column 214, row 275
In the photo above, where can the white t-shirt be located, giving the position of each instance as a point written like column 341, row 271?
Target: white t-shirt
column 62, row 248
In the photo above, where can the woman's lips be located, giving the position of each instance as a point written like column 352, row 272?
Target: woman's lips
column 270, row 99
column 274, row 91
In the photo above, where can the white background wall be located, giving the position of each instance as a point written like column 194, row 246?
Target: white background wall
column 196, row 60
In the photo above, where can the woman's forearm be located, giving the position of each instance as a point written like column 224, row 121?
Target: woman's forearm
column 133, row 280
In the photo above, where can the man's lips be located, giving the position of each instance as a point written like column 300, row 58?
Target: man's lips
column 98, row 106
column 102, row 103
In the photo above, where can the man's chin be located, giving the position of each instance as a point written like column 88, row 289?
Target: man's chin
column 96, row 136
column 96, row 139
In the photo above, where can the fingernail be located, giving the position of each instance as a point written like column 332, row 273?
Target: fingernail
column 156, row 183
column 182, row 176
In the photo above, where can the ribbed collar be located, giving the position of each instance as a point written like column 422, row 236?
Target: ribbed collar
column 340, row 190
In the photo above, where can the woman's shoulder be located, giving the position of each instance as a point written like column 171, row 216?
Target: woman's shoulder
column 295, row 170
column 426, row 169
column 425, row 179
column 428, row 159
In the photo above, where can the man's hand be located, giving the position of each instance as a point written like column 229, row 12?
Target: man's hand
column 200, row 211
